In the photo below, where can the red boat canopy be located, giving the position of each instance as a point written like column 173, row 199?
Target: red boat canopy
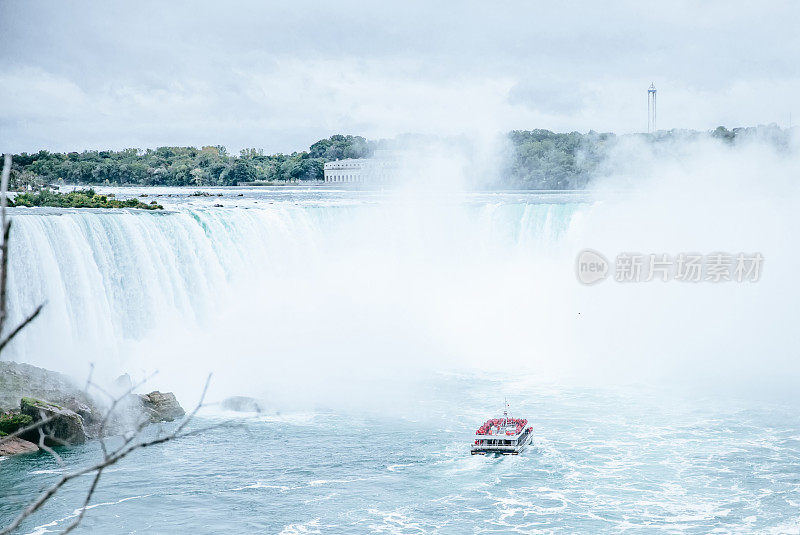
column 517, row 423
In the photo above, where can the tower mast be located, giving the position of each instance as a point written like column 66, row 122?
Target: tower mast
column 651, row 108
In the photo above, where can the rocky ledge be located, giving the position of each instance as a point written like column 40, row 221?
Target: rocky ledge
column 65, row 427
column 29, row 394
column 16, row 445
column 161, row 406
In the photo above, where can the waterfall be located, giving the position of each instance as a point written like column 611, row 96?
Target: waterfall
column 110, row 278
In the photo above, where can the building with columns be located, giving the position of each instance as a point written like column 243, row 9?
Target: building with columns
column 349, row 170
column 379, row 169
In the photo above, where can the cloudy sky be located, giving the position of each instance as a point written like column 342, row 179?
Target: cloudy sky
column 79, row 75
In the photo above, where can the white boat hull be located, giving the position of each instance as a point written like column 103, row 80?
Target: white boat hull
column 504, row 449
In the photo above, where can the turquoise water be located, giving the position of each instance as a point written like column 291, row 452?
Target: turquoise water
column 601, row 461
column 367, row 321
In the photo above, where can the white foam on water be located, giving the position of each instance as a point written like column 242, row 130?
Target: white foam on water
column 39, row 530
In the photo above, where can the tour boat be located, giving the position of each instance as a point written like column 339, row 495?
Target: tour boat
column 506, row 436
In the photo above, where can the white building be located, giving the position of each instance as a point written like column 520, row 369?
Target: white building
column 349, row 170
column 379, row 169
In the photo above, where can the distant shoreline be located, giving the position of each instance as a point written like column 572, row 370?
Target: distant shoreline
column 538, row 160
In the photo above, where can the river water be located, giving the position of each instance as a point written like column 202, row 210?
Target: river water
column 380, row 330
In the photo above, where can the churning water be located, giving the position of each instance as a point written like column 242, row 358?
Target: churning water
column 601, row 462
column 380, row 331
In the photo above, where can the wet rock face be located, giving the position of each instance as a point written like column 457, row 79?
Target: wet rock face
column 31, row 393
column 66, row 427
column 18, row 380
column 241, row 404
column 12, row 422
column 16, row 445
column 161, row 406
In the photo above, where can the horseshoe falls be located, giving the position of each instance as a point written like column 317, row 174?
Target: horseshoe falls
column 122, row 288
column 380, row 331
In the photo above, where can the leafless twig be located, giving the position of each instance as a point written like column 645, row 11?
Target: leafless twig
column 131, row 441
column 89, row 495
column 5, row 224
column 48, row 449
column 128, row 446
column 21, row 326
column 33, row 427
column 114, row 402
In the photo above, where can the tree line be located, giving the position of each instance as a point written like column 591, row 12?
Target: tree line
column 183, row 166
column 541, row 159
column 537, row 159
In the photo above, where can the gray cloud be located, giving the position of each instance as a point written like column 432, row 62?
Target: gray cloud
column 550, row 95
column 79, row 75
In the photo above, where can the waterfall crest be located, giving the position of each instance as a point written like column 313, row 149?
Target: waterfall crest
column 114, row 276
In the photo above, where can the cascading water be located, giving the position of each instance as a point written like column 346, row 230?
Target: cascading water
column 339, row 309
column 114, row 280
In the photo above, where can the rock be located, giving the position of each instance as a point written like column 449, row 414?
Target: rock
column 19, row 380
column 65, row 428
column 79, row 417
column 92, row 418
column 16, row 445
column 12, row 422
column 161, row 406
column 241, row 404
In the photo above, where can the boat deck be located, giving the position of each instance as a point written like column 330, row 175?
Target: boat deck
column 507, row 436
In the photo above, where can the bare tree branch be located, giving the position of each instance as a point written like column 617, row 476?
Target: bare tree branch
column 86, row 501
column 4, row 185
column 6, row 225
column 48, row 449
column 34, row 426
column 114, row 402
column 89, row 377
column 126, row 448
column 42, row 499
column 4, row 266
column 21, row 326
column 131, row 441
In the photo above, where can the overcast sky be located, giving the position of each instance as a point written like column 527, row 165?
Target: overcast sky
column 280, row 76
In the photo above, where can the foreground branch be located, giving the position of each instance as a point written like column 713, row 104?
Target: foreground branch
column 131, row 441
column 6, row 226
column 127, row 447
column 21, row 326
